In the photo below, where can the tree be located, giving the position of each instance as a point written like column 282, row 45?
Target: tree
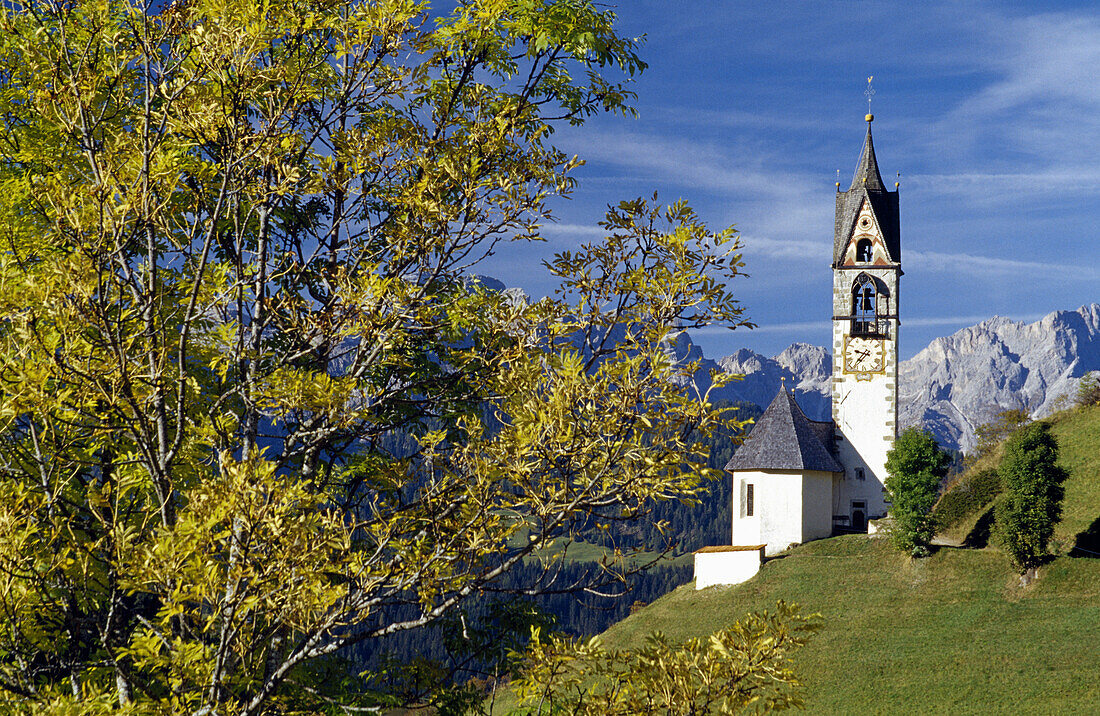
column 1032, row 503
column 1088, row 389
column 252, row 409
column 741, row 666
column 990, row 435
column 915, row 468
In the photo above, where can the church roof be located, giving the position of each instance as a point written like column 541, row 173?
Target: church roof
column 867, row 184
column 867, row 174
column 785, row 439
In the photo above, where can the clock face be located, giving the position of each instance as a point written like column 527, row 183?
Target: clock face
column 864, row 355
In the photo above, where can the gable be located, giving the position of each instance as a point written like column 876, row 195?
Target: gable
column 866, row 228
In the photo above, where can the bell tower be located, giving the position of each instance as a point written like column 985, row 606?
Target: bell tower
column 866, row 272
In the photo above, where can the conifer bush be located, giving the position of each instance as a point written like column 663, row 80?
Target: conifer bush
column 1088, row 390
column 915, row 467
column 1032, row 505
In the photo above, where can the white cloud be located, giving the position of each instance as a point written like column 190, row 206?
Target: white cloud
column 578, row 231
column 971, row 264
column 1041, row 108
column 717, row 168
column 801, row 250
column 766, row 328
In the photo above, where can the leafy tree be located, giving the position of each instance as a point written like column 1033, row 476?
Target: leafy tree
column 1032, row 503
column 991, row 434
column 915, row 467
column 745, row 665
column 1088, row 389
column 252, row 410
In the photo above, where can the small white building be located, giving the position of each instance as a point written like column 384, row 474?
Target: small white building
column 784, row 479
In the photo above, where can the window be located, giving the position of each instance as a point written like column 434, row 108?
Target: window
column 864, row 300
column 748, row 500
column 864, row 253
column 859, row 474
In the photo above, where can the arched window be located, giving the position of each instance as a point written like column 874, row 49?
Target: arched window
column 864, row 300
column 864, row 253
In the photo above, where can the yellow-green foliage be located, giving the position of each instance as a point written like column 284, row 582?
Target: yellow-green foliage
column 252, row 411
column 744, row 665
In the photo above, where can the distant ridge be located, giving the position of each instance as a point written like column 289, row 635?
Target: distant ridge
column 961, row 381
column 951, row 387
column 954, row 385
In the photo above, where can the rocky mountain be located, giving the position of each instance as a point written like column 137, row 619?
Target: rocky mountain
column 954, row 385
column 804, row 367
column 951, row 387
column 961, row 381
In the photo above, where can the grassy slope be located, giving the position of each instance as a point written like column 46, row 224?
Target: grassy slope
column 953, row 633
column 1078, row 436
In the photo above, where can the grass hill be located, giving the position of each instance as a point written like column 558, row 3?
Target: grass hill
column 952, row 633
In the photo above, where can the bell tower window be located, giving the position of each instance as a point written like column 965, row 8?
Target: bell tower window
column 864, row 253
column 864, row 301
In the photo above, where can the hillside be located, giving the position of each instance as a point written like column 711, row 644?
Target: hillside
column 952, row 633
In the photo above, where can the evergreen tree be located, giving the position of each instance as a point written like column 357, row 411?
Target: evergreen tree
column 915, row 466
column 1032, row 503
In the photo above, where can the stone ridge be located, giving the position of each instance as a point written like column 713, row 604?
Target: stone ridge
column 955, row 384
column 962, row 381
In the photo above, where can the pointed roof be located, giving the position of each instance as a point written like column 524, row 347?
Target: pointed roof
column 867, row 185
column 867, row 174
column 785, row 439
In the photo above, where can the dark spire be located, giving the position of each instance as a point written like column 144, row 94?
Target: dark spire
column 867, row 175
column 867, row 186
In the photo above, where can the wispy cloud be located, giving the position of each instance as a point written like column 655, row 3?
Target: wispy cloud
column 796, row 249
column 971, row 264
column 767, row 328
column 702, row 165
column 578, row 231
column 1041, row 105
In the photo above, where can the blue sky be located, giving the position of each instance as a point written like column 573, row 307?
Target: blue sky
column 990, row 112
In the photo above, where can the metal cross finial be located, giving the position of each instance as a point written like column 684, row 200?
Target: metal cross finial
column 869, row 93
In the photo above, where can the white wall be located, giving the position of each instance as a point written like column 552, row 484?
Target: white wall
column 715, row 566
column 817, row 504
column 777, row 509
column 865, row 410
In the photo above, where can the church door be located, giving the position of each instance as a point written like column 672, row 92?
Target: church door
column 859, row 515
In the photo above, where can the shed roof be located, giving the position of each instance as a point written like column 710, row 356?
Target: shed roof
column 785, row 439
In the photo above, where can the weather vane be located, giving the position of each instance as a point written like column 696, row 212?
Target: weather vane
column 869, row 93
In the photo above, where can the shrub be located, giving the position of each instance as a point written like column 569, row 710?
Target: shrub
column 993, row 433
column 1032, row 503
column 970, row 493
column 1088, row 390
column 915, row 466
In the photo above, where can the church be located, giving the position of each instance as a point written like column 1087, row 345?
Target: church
column 796, row 479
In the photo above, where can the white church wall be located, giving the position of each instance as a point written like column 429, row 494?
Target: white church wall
column 727, row 565
column 817, row 505
column 777, row 509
